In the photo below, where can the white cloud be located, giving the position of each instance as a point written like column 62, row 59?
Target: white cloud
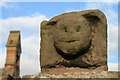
column 27, row 22
column 29, row 66
column 3, row 4
column 94, row 5
column 30, row 63
column 112, row 38
column 112, row 17
column 113, row 66
column 107, row 0
column 111, row 14
column 8, row 5
column 27, row 25
column 2, row 57
column 31, row 45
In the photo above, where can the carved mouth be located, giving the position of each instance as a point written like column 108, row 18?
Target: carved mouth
column 70, row 41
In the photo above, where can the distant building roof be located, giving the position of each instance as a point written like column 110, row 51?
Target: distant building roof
column 13, row 39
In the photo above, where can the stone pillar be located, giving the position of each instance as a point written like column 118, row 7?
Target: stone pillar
column 13, row 54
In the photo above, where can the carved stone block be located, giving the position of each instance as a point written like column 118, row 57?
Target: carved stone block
column 74, row 39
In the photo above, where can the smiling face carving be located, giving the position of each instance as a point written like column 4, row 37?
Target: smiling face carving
column 72, row 36
column 75, row 39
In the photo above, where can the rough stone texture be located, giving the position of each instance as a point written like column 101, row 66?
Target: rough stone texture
column 7, row 77
column 4, row 75
column 77, row 75
column 0, row 73
column 74, row 39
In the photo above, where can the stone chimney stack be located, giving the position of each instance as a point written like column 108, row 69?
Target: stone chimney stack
column 12, row 65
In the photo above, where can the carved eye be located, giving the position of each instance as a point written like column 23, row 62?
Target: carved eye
column 65, row 29
column 78, row 29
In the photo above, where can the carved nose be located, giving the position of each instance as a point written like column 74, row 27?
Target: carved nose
column 70, row 30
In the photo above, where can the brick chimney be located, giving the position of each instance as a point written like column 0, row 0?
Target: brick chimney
column 12, row 65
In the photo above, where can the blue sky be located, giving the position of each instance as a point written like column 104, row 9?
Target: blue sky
column 27, row 16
